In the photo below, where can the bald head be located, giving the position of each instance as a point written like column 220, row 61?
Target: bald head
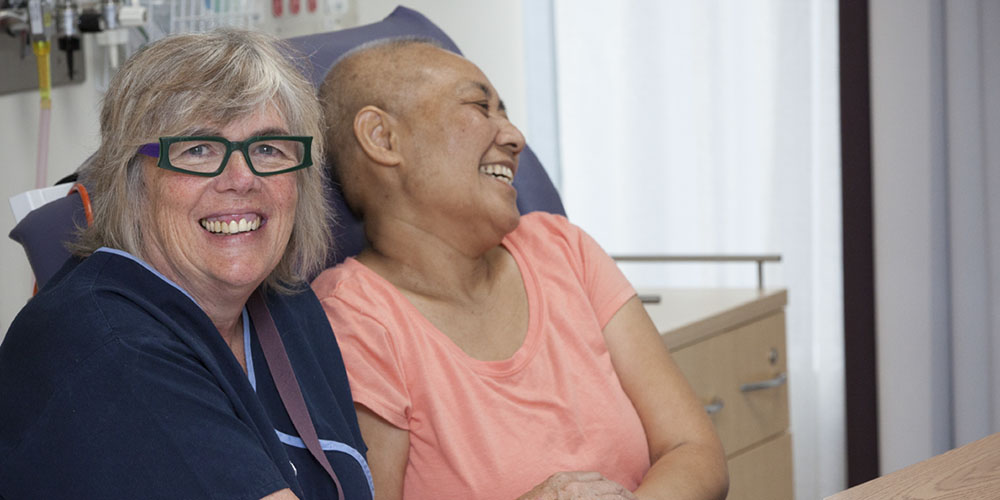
column 384, row 74
column 400, row 110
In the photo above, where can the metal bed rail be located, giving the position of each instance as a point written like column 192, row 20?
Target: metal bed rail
column 760, row 259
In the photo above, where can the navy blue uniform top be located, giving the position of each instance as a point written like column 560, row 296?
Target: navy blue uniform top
column 115, row 384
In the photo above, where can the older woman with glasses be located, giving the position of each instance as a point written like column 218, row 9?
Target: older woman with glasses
column 146, row 367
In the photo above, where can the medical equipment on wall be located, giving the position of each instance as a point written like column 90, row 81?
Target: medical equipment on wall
column 64, row 21
column 120, row 27
column 20, row 36
column 38, row 22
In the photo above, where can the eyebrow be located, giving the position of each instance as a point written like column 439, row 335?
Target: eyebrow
column 271, row 131
column 257, row 133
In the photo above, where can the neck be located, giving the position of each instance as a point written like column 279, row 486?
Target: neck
column 228, row 320
column 420, row 261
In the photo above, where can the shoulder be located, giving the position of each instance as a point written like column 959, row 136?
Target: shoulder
column 549, row 238
column 543, row 228
column 93, row 300
column 343, row 275
column 352, row 288
column 76, row 314
column 364, row 310
column 107, row 289
column 85, row 328
column 544, row 223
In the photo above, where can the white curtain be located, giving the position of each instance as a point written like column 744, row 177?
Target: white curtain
column 935, row 123
column 972, row 40
column 712, row 127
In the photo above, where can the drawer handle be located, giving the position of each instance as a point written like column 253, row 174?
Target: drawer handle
column 714, row 407
column 765, row 384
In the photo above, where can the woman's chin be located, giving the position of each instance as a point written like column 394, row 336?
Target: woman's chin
column 509, row 223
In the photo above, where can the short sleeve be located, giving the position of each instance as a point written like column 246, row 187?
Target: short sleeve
column 603, row 282
column 373, row 365
column 146, row 421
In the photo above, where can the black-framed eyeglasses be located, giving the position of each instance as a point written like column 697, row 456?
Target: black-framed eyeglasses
column 208, row 156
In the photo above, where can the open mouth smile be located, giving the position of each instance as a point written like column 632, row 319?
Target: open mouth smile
column 231, row 225
column 501, row 172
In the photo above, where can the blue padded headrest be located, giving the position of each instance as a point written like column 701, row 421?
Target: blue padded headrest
column 535, row 191
column 43, row 234
column 323, row 49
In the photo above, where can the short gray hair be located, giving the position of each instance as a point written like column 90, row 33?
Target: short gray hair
column 183, row 81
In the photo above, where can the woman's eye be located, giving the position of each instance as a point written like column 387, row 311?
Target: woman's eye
column 198, row 150
column 268, row 150
column 484, row 106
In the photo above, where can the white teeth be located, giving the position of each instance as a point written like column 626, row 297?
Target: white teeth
column 231, row 227
column 499, row 171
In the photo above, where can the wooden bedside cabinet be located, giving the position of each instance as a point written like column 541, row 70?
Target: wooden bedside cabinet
column 730, row 343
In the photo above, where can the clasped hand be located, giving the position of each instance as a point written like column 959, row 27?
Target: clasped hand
column 578, row 486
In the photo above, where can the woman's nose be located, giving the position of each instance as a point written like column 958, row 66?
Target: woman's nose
column 510, row 136
column 236, row 175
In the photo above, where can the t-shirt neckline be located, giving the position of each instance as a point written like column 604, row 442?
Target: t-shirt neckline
column 493, row 368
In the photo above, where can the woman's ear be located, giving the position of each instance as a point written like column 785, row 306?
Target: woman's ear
column 374, row 131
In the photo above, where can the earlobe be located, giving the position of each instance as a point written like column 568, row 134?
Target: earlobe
column 373, row 129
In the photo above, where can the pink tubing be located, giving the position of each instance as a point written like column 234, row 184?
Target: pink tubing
column 42, row 166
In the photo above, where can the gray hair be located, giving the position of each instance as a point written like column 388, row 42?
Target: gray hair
column 354, row 81
column 185, row 81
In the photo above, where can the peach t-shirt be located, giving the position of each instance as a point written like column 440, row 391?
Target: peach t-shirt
column 495, row 429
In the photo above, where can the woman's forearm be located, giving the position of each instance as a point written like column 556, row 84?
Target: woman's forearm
column 691, row 471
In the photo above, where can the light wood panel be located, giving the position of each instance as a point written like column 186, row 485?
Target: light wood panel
column 971, row 472
column 719, row 365
column 763, row 472
column 685, row 316
column 723, row 339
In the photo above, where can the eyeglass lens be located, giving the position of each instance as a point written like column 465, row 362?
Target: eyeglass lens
column 265, row 156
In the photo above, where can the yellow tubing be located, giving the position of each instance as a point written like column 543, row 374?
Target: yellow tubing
column 42, row 49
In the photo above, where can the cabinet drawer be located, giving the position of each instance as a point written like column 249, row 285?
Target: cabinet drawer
column 762, row 472
column 742, row 370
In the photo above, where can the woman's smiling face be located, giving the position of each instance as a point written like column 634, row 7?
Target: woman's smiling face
column 457, row 135
column 183, row 237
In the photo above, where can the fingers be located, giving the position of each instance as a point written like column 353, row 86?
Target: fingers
column 578, row 485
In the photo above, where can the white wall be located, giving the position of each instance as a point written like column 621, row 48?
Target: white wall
column 74, row 135
column 490, row 33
